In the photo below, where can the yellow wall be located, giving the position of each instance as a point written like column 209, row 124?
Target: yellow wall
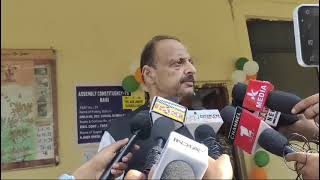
column 97, row 41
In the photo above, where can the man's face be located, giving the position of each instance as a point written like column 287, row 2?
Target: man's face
column 175, row 73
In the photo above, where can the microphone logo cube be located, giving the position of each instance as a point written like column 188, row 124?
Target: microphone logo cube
column 244, row 130
column 256, row 95
column 163, row 107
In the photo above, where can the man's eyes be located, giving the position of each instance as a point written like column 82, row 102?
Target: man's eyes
column 182, row 61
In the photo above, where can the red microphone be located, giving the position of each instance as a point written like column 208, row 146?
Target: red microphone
column 249, row 133
column 258, row 95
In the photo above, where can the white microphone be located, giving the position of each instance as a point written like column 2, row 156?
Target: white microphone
column 210, row 117
column 178, row 170
column 181, row 148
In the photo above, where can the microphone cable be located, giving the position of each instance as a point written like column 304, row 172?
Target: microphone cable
column 308, row 146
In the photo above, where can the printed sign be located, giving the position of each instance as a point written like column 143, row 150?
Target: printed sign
column 132, row 102
column 96, row 106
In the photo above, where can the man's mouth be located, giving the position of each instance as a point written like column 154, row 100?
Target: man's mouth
column 189, row 83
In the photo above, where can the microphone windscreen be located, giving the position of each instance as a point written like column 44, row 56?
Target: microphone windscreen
column 272, row 141
column 203, row 132
column 162, row 128
column 287, row 119
column 238, row 93
column 178, row 170
column 141, row 121
column 282, row 101
column 227, row 114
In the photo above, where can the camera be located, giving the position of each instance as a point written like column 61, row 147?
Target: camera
column 306, row 32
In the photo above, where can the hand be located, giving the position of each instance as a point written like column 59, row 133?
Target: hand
column 303, row 126
column 135, row 174
column 94, row 168
column 309, row 106
column 307, row 164
column 219, row 169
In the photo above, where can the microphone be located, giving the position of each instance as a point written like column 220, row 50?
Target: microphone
column 181, row 148
column 275, row 119
column 140, row 126
column 278, row 147
column 195, row 118
column 161, row 129
column 178, row 170
column 249, row 133
column 205, row 134
column 164, row 107
column 259, row 94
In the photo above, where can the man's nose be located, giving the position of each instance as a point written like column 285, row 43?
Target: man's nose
column 190, row 69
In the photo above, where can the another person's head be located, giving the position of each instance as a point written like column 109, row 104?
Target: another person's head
column 167, row 68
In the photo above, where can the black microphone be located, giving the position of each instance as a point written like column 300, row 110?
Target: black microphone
column 284, row 118
column 205, row 134
column 274, row 142
column 160, row 132
column 276, row 100
column 269, row 139
column 140, row 126
column 178, row 170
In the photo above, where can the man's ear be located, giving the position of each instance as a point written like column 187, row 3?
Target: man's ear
column 148, row 74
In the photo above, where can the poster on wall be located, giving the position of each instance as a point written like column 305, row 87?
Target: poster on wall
column 28, row 109
column 97, row 105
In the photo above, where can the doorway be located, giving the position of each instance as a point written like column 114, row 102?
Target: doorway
column 273, row 48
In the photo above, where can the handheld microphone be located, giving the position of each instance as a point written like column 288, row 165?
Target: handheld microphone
column 178, row 169
column 259, row 94
column 140, row 126
column 274, row 142
column 164, row 107
column 160, row 132
column 195, row 118
column 248, row 132
column 275, row 119
column 205, row 134
column 179, row 147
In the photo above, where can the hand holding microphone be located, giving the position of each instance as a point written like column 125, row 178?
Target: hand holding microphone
column 309, row 107
column 93, row 168
column 307, row 164
column 220, row 168
column 140, row 126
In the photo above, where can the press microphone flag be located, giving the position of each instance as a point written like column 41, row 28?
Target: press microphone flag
column 245, row 130
column 249, row 133
column 256, row 95
column 260, row 94
column 161, row 107
column 195, row 118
